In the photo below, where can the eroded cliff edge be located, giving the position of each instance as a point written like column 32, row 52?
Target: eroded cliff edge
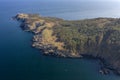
column 98, row 38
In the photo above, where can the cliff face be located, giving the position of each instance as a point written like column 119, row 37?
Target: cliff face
column 99, row 38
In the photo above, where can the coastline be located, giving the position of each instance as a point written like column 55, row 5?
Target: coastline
column 48, row 46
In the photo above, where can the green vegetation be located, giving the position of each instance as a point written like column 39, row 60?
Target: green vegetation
column 81, row 35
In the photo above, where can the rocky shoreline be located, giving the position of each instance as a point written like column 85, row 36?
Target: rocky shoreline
column 48, row 40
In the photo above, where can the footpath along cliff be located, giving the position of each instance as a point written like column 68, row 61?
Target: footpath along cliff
column 97, row 38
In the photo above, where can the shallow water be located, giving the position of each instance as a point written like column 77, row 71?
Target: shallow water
column 19, row 61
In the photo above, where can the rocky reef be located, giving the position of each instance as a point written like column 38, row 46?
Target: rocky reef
column 97, row 38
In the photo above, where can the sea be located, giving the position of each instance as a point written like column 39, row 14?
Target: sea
column 19, row 61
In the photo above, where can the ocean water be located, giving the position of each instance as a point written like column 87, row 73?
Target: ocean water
column 19, row 61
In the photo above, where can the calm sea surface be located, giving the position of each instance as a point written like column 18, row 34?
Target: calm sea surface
column 18, row 61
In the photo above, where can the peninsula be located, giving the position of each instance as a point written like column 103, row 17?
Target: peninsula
column 97, row 38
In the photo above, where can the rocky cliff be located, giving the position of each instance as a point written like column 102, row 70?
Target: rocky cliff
column 98, row 38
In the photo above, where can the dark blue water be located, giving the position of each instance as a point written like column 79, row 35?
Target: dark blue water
column 18, row 61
